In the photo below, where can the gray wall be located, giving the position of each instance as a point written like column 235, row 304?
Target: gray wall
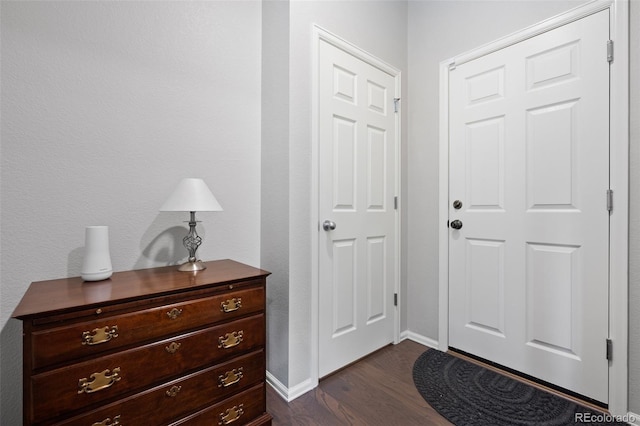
column 105, row 107
column 634, row 213
column 274, row 250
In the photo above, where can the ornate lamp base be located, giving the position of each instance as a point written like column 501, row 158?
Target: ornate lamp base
column 192, row 266
column 191, row 242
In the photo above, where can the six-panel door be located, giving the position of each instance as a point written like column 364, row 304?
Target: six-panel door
column 529, row 159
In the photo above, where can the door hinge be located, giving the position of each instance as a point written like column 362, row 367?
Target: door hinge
column 609, row 200
column 396, row 101
column 395, row 202
column 610, row 51
column 609, row 350
column 395, row 299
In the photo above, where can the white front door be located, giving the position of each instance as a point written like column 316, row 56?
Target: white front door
column 529, row 162
column 357, row 186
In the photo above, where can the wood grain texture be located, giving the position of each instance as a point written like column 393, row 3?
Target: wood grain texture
column 163, row 339
column 377, row 390
column 188, row 398
column 48, row 297
column 65, row 343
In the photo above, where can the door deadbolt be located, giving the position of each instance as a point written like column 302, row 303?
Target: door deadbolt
column 457, row 204
column 456, row 224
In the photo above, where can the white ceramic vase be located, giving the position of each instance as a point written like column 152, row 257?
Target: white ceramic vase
column 96, row 265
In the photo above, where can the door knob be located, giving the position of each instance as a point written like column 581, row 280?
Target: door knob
column 456, row 224
column 328, row 225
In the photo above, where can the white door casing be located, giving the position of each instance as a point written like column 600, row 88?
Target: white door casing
column 529, row 159
column 358, row 177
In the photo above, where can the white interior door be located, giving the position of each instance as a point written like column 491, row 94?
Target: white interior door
column 357, row 184
column 529, row 161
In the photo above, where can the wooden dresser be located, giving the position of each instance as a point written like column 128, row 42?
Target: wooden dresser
column 147, row 347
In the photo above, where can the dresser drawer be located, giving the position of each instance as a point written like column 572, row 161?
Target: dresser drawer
column 91, row 338
column 238, row 410
column 103, row 379
column 171, row 401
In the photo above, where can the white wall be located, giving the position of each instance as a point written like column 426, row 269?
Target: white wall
column 105, row 107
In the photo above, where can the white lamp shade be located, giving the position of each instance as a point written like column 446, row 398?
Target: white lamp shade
column 191, row 195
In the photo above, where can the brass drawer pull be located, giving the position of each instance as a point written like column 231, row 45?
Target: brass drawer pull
column 174, row 313
column 99, row 381
column 99, row 335
column 230, row 377
column 173, row 391
column 173, row 347
column 231, row 415
column 107, row 422
column 231, row 305
column 230, row 340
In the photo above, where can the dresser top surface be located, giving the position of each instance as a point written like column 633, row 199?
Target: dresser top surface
column 45, row 297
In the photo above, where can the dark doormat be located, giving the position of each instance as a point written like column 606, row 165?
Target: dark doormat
column 469, row 394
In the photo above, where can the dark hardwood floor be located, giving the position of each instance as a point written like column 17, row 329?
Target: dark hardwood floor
column 377, row 390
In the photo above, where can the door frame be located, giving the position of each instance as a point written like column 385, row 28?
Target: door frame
column 618, row 180
column 319, row 35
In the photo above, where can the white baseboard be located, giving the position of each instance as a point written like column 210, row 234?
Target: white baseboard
column 278, row 386
column 302, row 388
column 418, row 338
column 289, row 394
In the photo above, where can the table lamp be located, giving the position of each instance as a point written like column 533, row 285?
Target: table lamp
column 191, row 195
